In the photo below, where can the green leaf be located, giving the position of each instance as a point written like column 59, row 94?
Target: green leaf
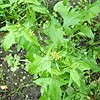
column 8, row 41
column 31, row 47
column 3, row 28
column 49, row 50
column 31, row 16
column 12, row 1
column 75, row 76
column 38, row 8
column 13, row 62
column 43, row 81
column 40, row 65
column 20, row 43
column 1, row 1
column 84, row 88
column 63, row 10
column 92, row 63
column 32, row 1
column 84, row 66
column 94, row 9
column 32, row 39
column 87, row 31
column 32, row 67
column 55, row 32
column 65, row 2
column 55, row 21
column 71, row 17
column 70, row 90
column 35, row 64
column 29, row 56
column 5, row 5
column 45, row 64
column 53, row 91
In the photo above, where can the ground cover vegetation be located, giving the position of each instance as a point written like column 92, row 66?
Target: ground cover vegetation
column 60, row 43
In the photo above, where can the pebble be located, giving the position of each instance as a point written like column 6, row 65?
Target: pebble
column 26, row 96
column 21, row 51
column 0, row 65
column 14, row 74
column 0, row 51
column 21, row 80
column 24, row 77
column 3, row 73
column 7, row 77
column 8, row 70
column 15, row 83
column 27, row 75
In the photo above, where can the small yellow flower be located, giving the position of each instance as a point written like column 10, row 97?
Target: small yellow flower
column 55, row 56
column 31, row 33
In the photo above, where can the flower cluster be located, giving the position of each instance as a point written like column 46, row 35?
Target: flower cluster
column 55, row 56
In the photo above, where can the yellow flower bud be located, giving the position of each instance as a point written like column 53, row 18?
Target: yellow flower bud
column 55, row 56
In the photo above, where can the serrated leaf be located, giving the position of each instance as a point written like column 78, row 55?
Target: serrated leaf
column 45, row 65
column 8, row 41
column 53, row 91
column 40, row 65
column 55, row 33
column 86, row 31
column 38, row 8
column 71, row 17
column 75, row 76
column 92, row 63
column 55, row 21
column 63, row 10
column 94, row 9
column 84, row 66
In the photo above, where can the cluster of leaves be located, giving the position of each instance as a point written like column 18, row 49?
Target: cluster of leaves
column 54, row 43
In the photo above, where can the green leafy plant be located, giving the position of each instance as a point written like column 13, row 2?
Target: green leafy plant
column 13, row 62
column 60, row 61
